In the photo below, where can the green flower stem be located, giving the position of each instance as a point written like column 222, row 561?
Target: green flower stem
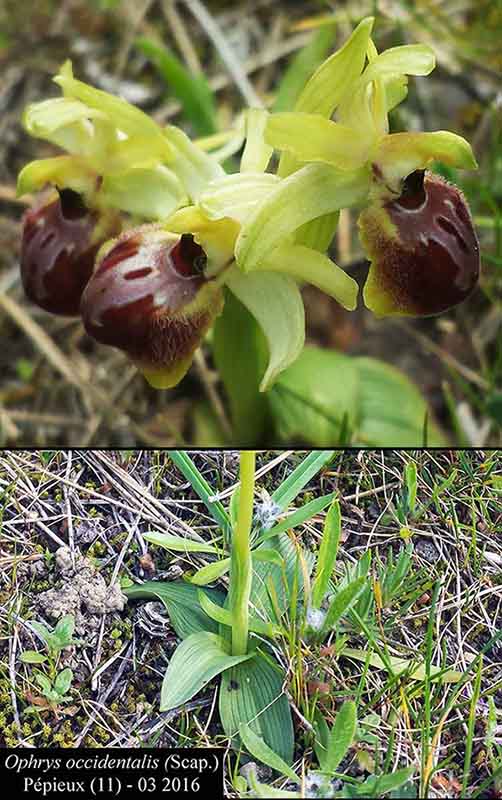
column 241, row 567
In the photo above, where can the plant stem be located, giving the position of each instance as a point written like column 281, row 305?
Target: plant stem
column 241, row 567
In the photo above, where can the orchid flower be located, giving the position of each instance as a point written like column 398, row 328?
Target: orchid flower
column 415, row 228
column 155, row 291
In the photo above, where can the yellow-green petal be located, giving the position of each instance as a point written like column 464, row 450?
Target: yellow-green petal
column 65, row 172
column 151, row 193
column 193, row 166
column 235, row 196
column 125, row 117
column 308, row 265
column 257, row 151
column 399, row 154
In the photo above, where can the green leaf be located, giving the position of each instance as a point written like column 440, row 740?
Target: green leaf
column 260, row 750
column 240, row 353
column 42, row 630
column 340, row 737
column 402, row 665
column 196, row 661
column 299, row 516
column 326, row 557
column 378, row 785
column 44, row 682
column 211, row 572
column 304, row 63
column 65, row 628
column 180, row 544
column 252, row 693
column 224, row 617
column 301, row 476
column 272, row 585
column 193, row 91
column 316, row 398
column 383, row 421
column 32, row 657
column 275, row 301
column 182, row 603
column 342, row 601
column 200, row 486
column 63, row 681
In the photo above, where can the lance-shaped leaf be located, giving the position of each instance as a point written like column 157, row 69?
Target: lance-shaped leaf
column 193, row 166
column 197, row 660
column 400, row 154
column 276, row 303
column 257, row 151
column 235, row 196
column 179, row 544
column 260, row 750
column 327, row 553
column 339, row 739
column 311, row 192
column 327, row 86
column 211, row 572
column 311, row 137
column 313, row 267
column 182, row 603
column 224, row 617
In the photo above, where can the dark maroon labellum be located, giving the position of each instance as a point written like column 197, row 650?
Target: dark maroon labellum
column 58, row 251
column 432, row 263
column 143, row 297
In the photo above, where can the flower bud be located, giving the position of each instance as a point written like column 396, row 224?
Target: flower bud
column 149, row 297
column 60, row 240
column 423, row 248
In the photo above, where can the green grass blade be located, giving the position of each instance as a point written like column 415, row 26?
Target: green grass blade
column 304, row 472
column 179, row 544
column 193, row 91
column 200, row 486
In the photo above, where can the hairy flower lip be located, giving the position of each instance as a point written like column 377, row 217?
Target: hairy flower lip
column 148, row 297
column 60, row 240
column 423, row 248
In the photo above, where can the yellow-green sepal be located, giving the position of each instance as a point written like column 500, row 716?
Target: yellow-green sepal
column 305, row 264
column 275, row 302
